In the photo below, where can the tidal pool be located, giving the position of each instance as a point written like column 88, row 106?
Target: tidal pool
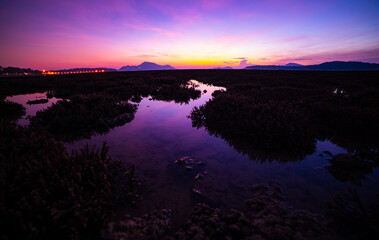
column 31, row 109
column 162, row 133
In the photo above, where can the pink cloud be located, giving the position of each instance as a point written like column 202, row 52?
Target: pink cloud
column 244, row 64
column 146, row 27
column 342, row 55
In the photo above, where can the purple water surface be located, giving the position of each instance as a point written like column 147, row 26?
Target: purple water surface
column 161, row 133
column 31, row 109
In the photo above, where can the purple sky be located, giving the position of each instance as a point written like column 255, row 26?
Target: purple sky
column 44, row 34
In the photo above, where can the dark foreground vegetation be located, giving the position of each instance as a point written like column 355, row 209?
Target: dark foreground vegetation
column 48, row 193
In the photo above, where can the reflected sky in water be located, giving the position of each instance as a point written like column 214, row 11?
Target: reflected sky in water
column 31, row 109
column 162, row 133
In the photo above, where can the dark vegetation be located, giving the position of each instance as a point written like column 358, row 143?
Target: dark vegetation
column 47, row 193
column 269, row 115
column 350, row 214
column 281, row 114
column 16, row 70
column 352, row 167
column 10, row 111
column 83, row 116
column 38, row 101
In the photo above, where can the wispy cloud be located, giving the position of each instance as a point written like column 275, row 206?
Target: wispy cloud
column 146, row 27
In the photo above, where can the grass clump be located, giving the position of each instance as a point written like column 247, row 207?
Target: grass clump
column 84, row 116
column 10, row 111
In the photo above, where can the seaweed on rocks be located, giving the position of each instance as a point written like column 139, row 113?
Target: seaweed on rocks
column 154, row 225
column 212, row 223
column 267, row 216
column 273, row 218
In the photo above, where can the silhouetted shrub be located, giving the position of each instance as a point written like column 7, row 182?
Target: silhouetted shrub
column 180, row 94
column 349, row 167
column 83, row 116
column 38, row 101
column 276, row 127
column 10, row 111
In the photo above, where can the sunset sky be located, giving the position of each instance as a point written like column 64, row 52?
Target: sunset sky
column 48, row 34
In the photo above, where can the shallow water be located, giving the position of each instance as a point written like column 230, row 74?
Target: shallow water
column 31, row 109
column 162, row 133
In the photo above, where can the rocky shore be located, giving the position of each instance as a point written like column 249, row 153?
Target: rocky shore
column 267, row 216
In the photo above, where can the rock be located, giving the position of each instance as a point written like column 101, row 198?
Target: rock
column 197, row 191
column 199, row 176
column 273, row 218
column 154, row 225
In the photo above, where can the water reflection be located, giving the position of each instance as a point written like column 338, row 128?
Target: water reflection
column 161, row 133
column 32, row 109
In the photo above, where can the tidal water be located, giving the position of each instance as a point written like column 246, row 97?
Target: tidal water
column 161, row 133
column 31, row 109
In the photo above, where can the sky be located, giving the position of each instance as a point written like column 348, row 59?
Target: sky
column 56, row 34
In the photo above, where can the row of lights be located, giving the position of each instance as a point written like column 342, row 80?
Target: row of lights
column 44, row 72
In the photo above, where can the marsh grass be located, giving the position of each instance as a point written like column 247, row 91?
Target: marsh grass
column 83, row 116
column 10, row 111
column 351, row 214
column 47, row 193
column 281, row 115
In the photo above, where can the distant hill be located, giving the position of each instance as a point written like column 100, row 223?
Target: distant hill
column 223, row 67
column 326, row 66
column 86, row 69
column 17, row 71
column 293, row 65
column 146, row 66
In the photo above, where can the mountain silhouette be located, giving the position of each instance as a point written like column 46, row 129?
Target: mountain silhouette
column 326, row 66
column 293, row 65
column 86, row 69
column 227, row 67
column 146, row 66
